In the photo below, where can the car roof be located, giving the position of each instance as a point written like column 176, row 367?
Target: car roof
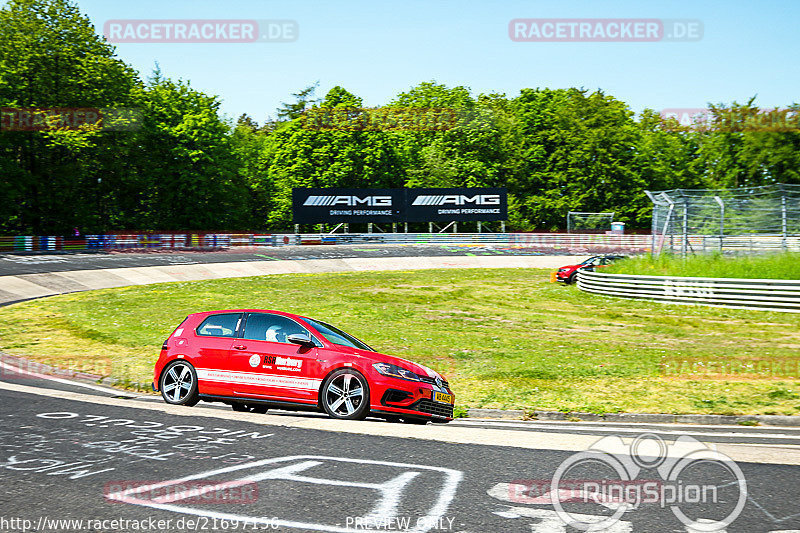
column 222, row 311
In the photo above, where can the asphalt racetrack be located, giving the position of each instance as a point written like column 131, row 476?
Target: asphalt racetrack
column 76, row 456
column 21, row 263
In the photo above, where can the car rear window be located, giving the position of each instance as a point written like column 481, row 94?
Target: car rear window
column 222, row 325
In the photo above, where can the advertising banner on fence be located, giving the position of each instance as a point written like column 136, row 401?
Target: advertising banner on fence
column 312, row 206
column 459, row 204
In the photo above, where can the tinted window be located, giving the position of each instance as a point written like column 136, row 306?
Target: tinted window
column 223, row 325
column 273, row 328
column 337, row 336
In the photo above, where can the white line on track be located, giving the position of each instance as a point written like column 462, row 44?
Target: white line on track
column 618, row 429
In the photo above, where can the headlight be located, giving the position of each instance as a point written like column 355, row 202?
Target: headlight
column 563, row 269
column 395, row 371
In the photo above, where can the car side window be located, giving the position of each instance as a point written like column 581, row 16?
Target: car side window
column 272, row 328
column 223, row 325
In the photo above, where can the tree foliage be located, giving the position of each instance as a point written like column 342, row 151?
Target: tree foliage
column 184, row 168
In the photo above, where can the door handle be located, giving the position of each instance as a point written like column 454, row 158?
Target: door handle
column 239, row 347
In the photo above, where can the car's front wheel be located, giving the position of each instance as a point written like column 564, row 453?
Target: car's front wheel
column 179, row 384
column 572, row 278
column 345, row 395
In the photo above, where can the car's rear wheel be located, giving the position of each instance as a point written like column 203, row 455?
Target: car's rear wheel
column 345, row 395
column 248, row 408
column 179, row 384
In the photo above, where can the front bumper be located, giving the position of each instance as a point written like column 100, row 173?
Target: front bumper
column 413, row 399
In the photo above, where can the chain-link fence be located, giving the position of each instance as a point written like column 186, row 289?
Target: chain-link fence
column 748, row 219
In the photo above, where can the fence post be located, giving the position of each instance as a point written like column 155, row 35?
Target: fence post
column 685, row 242
column 653, row 224
column 784, row 231
column 721, row 221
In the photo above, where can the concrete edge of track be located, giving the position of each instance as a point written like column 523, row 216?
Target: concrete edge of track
column 31, row 286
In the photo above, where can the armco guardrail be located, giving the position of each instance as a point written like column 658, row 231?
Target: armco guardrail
column 762, row 294
column 577, row 243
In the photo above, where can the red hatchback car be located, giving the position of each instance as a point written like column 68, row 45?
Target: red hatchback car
column 254, row 360
column 569, row 274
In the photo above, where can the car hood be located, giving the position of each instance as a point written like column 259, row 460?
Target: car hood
column 376, row 357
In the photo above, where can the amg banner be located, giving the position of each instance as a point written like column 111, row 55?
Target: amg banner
column 459, row 204
column 312, row 206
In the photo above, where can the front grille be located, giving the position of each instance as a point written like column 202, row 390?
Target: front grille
column 433, row 408
column 432, row 381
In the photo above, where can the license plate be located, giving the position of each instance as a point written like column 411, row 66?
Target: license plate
column 442, row 397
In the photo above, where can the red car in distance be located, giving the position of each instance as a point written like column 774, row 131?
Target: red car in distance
column 569, row 274
column 254, row 359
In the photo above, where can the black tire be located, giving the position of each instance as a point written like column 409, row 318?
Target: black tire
column 341, row 398
column 572, row 278
column 249, row 408
column 179, row 384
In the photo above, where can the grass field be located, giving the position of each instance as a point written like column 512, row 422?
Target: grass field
column 769, row 266
column 504, row 338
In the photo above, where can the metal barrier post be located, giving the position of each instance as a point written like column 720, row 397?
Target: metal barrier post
column 783, row 219
column 721, row 221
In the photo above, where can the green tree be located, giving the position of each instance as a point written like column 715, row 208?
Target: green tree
column 50, row 57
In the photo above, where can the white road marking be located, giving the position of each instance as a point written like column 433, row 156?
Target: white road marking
column 548, row 521
column 391, row 491
column 617, row 429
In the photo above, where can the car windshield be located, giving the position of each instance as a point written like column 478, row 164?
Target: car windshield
column 590, row 261
column 337, row 336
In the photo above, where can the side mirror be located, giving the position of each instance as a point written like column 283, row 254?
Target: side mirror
column 302, row 339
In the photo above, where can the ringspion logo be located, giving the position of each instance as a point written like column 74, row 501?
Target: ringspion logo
column 605, row 30
column 201, row 31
